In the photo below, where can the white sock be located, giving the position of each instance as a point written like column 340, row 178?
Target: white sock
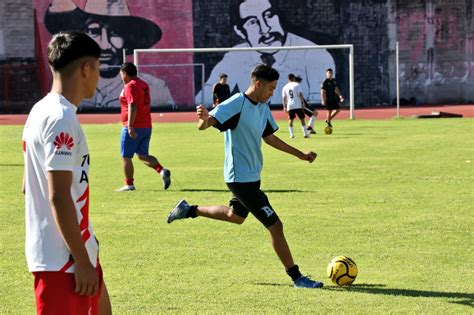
column 291, row 132
column 311, row 121
column 305, row 132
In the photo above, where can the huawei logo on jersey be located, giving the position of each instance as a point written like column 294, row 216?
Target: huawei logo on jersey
column 64, row 139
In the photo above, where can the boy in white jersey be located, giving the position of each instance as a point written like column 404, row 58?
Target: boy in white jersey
column 247, row 120
column 293, row 104
column 61, row 249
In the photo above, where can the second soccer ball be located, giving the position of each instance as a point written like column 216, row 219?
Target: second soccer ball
column 328, row 130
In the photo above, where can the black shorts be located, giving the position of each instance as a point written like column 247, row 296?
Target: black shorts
column 292, row 113
column 308, row 112
column 247, row 197
column 332, row 104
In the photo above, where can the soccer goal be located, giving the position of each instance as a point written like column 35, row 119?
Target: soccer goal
column 189, row 73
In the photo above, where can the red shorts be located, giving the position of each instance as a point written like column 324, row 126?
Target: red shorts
column 54, row 292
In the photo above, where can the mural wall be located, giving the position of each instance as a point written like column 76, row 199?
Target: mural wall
column 436, row 40
column 120, row 26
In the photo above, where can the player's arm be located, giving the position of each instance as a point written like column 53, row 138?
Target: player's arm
column 130, row 93
column 338, row 93
column 279, row 144
column 284, row 103
column 205, row 121
column 132, row 113
column 64, row 213
column 323, row 97
column 303, row 101
column 214, row 95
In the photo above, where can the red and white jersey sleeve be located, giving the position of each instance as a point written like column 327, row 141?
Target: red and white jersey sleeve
column 53, row 140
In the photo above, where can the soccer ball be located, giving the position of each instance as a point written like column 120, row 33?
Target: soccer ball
column 328, row 130
column 342, row 270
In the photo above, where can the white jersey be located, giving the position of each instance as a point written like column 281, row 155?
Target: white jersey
column 53, row 141
column 292, row 91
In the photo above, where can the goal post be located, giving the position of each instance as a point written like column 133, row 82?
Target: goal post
column 350, row 47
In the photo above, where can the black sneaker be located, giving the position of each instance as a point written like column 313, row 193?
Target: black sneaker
column 311, row 130
column 329, row 123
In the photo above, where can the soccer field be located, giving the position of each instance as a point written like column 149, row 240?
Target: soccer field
column 394, row 195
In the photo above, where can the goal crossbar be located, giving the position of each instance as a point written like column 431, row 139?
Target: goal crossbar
column 223, row 49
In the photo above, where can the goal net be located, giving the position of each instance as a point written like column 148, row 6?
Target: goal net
column 184, row 77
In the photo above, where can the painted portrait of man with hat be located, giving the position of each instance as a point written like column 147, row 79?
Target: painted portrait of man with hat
column 111, row 25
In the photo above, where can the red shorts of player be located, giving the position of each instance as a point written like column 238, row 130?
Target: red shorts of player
column 54, row 292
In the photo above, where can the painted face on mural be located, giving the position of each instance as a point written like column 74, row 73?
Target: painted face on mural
column 110, row 43
column 260, row 24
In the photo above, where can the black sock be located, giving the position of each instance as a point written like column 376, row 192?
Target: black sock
column 192, row 212
column 294, row 272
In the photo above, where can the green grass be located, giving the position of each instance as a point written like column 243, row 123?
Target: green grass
column 395, row 195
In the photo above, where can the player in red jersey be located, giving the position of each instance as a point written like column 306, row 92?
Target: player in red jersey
column 136, row 131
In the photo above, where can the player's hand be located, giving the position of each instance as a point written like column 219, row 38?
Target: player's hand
column 309, row 156
column 323, row 103
column 202, row 112
column 132, row 133
column 341, row 98
column 87, row 280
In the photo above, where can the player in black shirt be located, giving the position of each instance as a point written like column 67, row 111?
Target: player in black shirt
column 331, row 96
column 220, row 90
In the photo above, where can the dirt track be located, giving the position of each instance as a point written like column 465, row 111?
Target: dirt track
column 366, row 113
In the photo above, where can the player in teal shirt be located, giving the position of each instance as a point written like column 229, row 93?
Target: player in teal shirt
column 246, row 120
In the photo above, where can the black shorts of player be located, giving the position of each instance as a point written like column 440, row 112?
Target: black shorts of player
column 332, row 104
column 308, row 112
column 292, row 113
column 247, row 197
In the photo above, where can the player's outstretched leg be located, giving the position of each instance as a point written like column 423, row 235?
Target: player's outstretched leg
column 280, row 245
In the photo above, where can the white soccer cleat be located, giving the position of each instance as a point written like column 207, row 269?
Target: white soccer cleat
column 126, row 188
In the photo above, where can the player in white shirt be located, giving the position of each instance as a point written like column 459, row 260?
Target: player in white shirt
column 293, row 104
column 61, row 249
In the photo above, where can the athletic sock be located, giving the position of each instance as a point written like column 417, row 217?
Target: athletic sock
column 129, row 182
column 192, row 212
column 294, row 272
column 311, row 121
column 158, row 167
column 305, row 132
column 291, row 132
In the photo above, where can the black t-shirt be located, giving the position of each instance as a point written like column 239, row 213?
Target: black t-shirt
column 330, row 85
column 221, row 92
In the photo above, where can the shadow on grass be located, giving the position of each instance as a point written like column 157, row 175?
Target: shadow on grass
column 461, row 298
column 226, row 190
column 1, row 164
column 273, row 284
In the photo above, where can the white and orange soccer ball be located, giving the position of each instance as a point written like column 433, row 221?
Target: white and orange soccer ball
column 342, row 270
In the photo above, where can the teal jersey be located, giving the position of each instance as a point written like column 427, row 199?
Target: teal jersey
column 245, row 123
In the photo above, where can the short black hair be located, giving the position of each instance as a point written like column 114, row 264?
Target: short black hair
column 129, row 68
column 66, row 47
column 222, row 75
column 264, row 72
column 329, row 69
column 291, row 77
column 298, row 79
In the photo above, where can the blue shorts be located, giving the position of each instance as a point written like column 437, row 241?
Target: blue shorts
column 140, row 145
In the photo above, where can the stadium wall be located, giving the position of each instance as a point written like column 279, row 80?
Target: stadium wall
column 436, row 40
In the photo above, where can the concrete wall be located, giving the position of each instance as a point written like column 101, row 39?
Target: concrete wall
column 16, row 30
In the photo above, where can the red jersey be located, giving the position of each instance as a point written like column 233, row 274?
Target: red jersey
column 137, row 92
